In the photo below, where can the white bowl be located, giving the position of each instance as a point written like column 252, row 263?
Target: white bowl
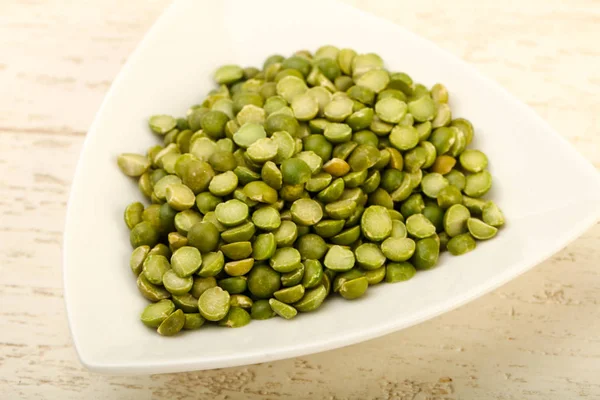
column 549, row 193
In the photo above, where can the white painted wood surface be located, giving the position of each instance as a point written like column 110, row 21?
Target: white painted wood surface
column 538, row 337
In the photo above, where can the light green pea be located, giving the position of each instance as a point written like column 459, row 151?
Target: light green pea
column 239, row 267
column 338, row 109
column 280, row 122
column 290, row 295
column 234, row 285
column 154, row 314
column 343, row 150
column 369, row 256
column 138, row 256
column 295, row 171
column 431, row 153
column 184, row 221
column 339, row 259
column 415, row 159
column 460, row 142
column 342, row 209
column 478, row 184
column 379, row 127
column 204, row 236
column 443, row 139
column 261, row 309
column 235, row 251
column 473, row 160
column 162, row 124
column 222, row 161
column 232, row 212
column 223, row 184
column 236, row 317
column 239, row 233
column 240, row 300
column 160, row 187
column 466, row 127
column 228, row 74
column 422, row 109
column 186, row 261
column 320, row 181
column 475, row 205
column 176, row 284
column 214, row 304
column 398, row 229
column 292, row 278
column 391, row 110
column 448, row 196
column 426, row 254
column 286, row 234
column 480, row 230
column 461, row 244
column 354, row 288
column 249, row 133
column 347, row 237
column 443, row 116
column 193, row 321
column 283, row 310
column 492, row 215
column 363, row 157
column 360, row 119
column 203, row 148
column 432, row 184
column 271, row 175
column 313, row 273
column 329, row 228
column 133, row 214
column 374, row 79
column 312, row 299
column 375, row 276
column 314, row 162
column 337, row 132
column 211, row 217
column 262, row 150
column 456, row 178
column 201, row 284
column 285, row 259
column 363, row 95
column 266, row 218
column 376, row 223
column 264, row 246
column 305, row 107
column 290, row 87
column 455, row 220
column 322, row 97
column 150, row 291
column 207, row 201
column 180, row 197
column 404, row 137
column 154, row 267
column 172, row 324
column 398, row 249
column 251, row 114
column 306, row 212
column 133, row 164
column 261, row 192
column 399, row 272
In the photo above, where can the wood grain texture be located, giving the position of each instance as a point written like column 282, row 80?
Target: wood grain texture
column 537, row 337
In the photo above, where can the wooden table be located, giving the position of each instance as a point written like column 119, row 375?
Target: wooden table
column 537, row 337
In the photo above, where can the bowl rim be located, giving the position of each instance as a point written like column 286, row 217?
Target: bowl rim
column 346, row 338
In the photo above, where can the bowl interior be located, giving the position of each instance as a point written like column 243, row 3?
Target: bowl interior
column 547, row 191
